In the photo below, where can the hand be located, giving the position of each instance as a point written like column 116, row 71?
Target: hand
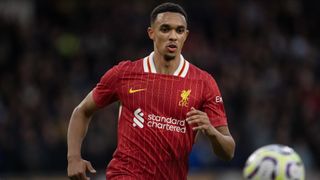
column 200, row 120
column 77, row 168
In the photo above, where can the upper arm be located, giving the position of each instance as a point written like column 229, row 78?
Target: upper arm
column 88, row 105
column 213, row 104
column 106, row 90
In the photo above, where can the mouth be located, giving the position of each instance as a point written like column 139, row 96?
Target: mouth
column 172, row 47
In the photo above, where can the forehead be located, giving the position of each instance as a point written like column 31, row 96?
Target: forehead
column 170, row 18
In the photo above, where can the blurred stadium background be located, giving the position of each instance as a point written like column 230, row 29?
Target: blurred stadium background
column 264, row 55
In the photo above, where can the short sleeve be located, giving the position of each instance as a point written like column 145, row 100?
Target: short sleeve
column 213, row 104
column 104, row 92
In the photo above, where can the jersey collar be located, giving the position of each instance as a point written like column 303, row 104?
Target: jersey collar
column 181, row 71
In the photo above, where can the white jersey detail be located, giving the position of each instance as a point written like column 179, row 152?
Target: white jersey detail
column 145, row 64
column 149, row 66
column 185, row 70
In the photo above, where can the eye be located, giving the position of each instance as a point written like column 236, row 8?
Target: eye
column 180, row 30
column 164, row 29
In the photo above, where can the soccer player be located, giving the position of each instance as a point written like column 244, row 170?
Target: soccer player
column 165, row 102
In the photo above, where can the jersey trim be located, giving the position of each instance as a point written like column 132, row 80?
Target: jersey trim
column 181, row 71
column 151, row 65
column 145, row 64
column 180, row 67
column 184, row 69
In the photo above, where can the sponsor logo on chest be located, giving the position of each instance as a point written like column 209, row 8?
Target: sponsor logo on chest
column 159, row 122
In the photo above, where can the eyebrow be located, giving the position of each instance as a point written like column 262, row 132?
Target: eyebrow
column 169, row 26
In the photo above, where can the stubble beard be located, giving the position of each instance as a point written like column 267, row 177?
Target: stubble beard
column 168, row 57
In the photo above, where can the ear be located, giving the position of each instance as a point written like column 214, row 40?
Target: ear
column 150, row 32
column 187, row 33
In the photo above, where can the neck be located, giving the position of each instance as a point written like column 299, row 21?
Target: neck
column 164, row 66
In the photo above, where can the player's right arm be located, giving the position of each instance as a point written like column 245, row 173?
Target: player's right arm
column 78, row 126
column 103, row 94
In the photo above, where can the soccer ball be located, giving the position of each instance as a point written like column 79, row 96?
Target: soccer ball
column 274, row 162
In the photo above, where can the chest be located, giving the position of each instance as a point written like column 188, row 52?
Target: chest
column 160, row 94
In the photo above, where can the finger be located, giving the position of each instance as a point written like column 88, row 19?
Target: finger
column 194, row 111
column 201, row 127
column 190, row 118
column 90, row 168
column 202, row 118
column 199, row 112
column 191, row 113
column 194, row 121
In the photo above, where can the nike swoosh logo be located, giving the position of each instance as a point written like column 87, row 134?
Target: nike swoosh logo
column 131, row 91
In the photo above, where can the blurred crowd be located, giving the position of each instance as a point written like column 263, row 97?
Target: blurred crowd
column 264, row 55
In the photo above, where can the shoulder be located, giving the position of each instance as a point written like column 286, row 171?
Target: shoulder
column 196, row 72
column 127, row 65
column 122, row 68
column 205, row 77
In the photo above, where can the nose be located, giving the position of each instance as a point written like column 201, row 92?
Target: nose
column 173, row 35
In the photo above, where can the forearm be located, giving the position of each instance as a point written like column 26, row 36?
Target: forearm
column 221, row 140
column 77, row 130
column 223, row 145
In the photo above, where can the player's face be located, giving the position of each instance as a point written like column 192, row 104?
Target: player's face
column 168, row 32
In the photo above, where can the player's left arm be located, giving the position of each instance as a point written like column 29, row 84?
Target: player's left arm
column 211, row 119
column 221, row 140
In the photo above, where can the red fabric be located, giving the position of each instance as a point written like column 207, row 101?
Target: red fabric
column 154, row 141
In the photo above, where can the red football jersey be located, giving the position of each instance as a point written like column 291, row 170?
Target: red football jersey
column 154, row 140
